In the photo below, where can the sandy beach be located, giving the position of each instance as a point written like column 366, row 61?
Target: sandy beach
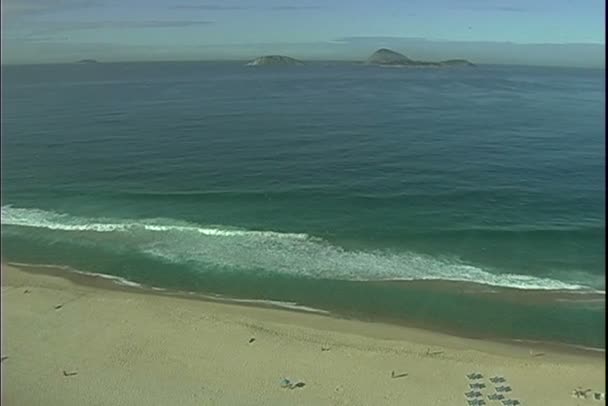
column 70, row 340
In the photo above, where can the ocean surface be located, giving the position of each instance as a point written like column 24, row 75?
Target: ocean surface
column 333, row 186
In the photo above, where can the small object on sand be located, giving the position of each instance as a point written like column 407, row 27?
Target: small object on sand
column 503, row 389
column 3, row 358
column 475, row 375
column 324, row 348
column 599, row 396
column 473, row 394
column 251, row 340
column 496, row 396
column 65, row 373
column 579, row 393
column 395, row 375
column 536, row 354
column 428, row 352
column 26, row 291
column 498, row 379
column 477, row 385
column 59, row 306
column 286, row 383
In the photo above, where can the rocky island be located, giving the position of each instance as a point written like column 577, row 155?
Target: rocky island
column 456, row 62
column 274, row 60
column 387, row 57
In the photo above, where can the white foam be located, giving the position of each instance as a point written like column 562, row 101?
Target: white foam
column 576, row 346
column 36, row 218
column 276, row 252
column 276, row 303
column 125, row 282
column 116, row 279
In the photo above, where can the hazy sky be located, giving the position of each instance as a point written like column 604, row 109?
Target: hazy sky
column 109, row 30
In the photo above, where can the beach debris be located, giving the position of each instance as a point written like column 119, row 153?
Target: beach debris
column 286, row 383
column 496, row 396
column 3, row 358
column 503, row 388
column 431, row 353
column 396, row 375
column 498, row 379
column 477, row 385
column 511, row 402
column 475, row 375
column 473, row 394
column 599, row 396
column 536, row 354
column 579, row 393
column 65, row 373
column 26, row 291
column 59, row 306
column 251, row 340
column 325, row 348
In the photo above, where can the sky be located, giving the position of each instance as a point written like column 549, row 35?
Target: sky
column 537, row 32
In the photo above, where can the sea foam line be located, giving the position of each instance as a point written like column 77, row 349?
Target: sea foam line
column 126, row 282
column 115, row 279
column 275, row 252
column 36, row 218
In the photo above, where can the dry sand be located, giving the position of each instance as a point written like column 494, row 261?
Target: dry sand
column 135, row 348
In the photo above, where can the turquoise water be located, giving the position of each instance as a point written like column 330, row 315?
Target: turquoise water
column 326, row 185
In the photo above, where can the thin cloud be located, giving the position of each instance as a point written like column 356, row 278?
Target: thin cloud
column 152, row 24
column 96, row 25
column 222, row 7
column 18, row 8
column 375, row 39
column 35, row 39
column 492, row 7
column 513, row 9
column 208, row 7
column 294, row 8
column 506, row 9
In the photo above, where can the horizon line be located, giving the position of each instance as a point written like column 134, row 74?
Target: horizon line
column 243, row 60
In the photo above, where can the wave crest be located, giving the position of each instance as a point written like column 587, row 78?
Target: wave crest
column 36, row 218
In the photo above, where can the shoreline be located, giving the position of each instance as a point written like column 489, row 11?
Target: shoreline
column 84, row 340
column 111, row 282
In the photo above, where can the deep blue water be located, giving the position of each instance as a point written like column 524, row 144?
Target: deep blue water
column 308, row 184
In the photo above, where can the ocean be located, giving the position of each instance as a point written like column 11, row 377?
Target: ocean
column 468, row 200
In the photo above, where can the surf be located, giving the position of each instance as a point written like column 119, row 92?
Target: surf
column 232, row 249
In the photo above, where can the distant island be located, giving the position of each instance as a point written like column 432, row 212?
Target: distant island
column 87, row 61
column 274, row 60
column 387, row 57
